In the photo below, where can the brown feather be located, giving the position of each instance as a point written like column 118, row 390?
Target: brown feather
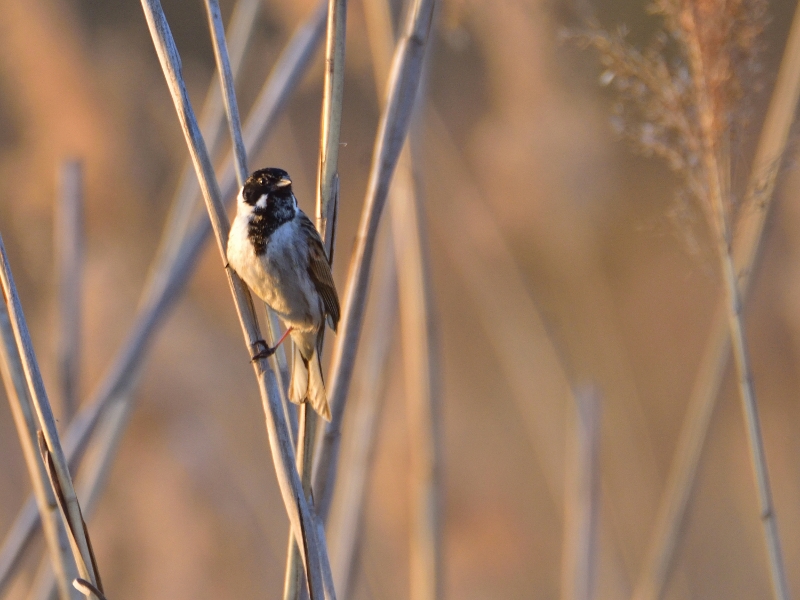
column 320, row 271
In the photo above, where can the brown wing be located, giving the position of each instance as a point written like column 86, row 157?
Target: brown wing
column 320, row 270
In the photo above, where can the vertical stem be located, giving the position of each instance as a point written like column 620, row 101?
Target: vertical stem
column 326, row 208
column 419, row 340
column 721, row 229
column 753, row 424
column 347, row 523
column 582, row 499
column 69, row 258
column 228, row 92
column 418, row 333
column 333, row 93
column 402, row 90
column 768, row 157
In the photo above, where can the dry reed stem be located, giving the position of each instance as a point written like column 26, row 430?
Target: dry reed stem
column 212, row 124
column 300, row 516
column 69, row 257
column 228, row 91
column 331, row 122
column 90, row 481
column 401, row 95
column 26, row 424
column 419, row 337
column 582, row 499
column 327, row 190
column 418, row 334
column 347, row 515
column 56, row 466
column 746, row 243
column 227, row 78
column 169, row 277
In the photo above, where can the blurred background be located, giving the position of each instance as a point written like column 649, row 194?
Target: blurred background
column 559, row 259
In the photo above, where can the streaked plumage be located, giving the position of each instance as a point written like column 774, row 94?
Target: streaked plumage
column 277, row 251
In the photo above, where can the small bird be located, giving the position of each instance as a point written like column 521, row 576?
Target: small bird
column 275, row 248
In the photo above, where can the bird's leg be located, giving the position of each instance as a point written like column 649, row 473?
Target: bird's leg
column 262, row 350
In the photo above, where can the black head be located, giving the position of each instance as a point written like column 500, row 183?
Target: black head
column 268, row 194
column 271, row 182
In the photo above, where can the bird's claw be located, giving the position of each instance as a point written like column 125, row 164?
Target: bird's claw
column 261, row 350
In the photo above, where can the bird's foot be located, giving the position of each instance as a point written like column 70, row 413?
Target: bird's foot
column 262, row 350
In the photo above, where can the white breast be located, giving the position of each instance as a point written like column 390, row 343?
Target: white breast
column 280, row 276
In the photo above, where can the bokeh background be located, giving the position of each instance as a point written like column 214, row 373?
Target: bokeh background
column 559, row 258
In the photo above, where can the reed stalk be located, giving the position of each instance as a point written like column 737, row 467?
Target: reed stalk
column 90, row 482
column 347, row 518
column 582, row 501
column 228, row 92
column 419, row 341
column 69, row 259
column 401, row 95
column 327, row 198
column 746, row 243
column 49, row 440
column 212, row 124
column 300, row 516
column 170, row 275
column 26, row 424
column 420, row 359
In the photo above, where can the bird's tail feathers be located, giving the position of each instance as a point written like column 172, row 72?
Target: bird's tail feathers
column 298, row 388
column 307, row 384
column 316, row 388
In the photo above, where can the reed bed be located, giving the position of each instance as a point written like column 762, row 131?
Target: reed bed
column 506, row 275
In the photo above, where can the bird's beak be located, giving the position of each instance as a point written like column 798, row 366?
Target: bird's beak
column 283, row 182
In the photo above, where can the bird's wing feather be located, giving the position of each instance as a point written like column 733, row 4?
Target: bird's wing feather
column 320, row 270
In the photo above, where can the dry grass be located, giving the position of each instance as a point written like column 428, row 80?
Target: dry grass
column 550, row 261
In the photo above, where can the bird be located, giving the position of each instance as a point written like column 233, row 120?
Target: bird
column 276, row 250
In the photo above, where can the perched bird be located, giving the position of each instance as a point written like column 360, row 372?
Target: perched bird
column 275, row 248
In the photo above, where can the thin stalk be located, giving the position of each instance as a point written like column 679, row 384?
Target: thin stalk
column 331, row 122
column 226, row 78
column 401, row 93
column 212, row 123
column 69, row 261
column 747, row 241
column 90, row 481
column 347, row 518
column 301, row 518
column 582, row 499
column 57, row 467
column 419, row 341
column 418, row 334
column 228, row 91
column 26, row 424
column 174, row 269
column 716, row 185
column 327, row 189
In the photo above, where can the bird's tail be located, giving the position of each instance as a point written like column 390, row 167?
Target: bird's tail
column 307, row 383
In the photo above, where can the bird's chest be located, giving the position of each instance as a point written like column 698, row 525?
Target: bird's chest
column 277, row 270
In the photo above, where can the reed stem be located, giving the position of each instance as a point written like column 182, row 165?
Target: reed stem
column 49, row 440
column 401, row 95
column 26, row 425
column 69, row 258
